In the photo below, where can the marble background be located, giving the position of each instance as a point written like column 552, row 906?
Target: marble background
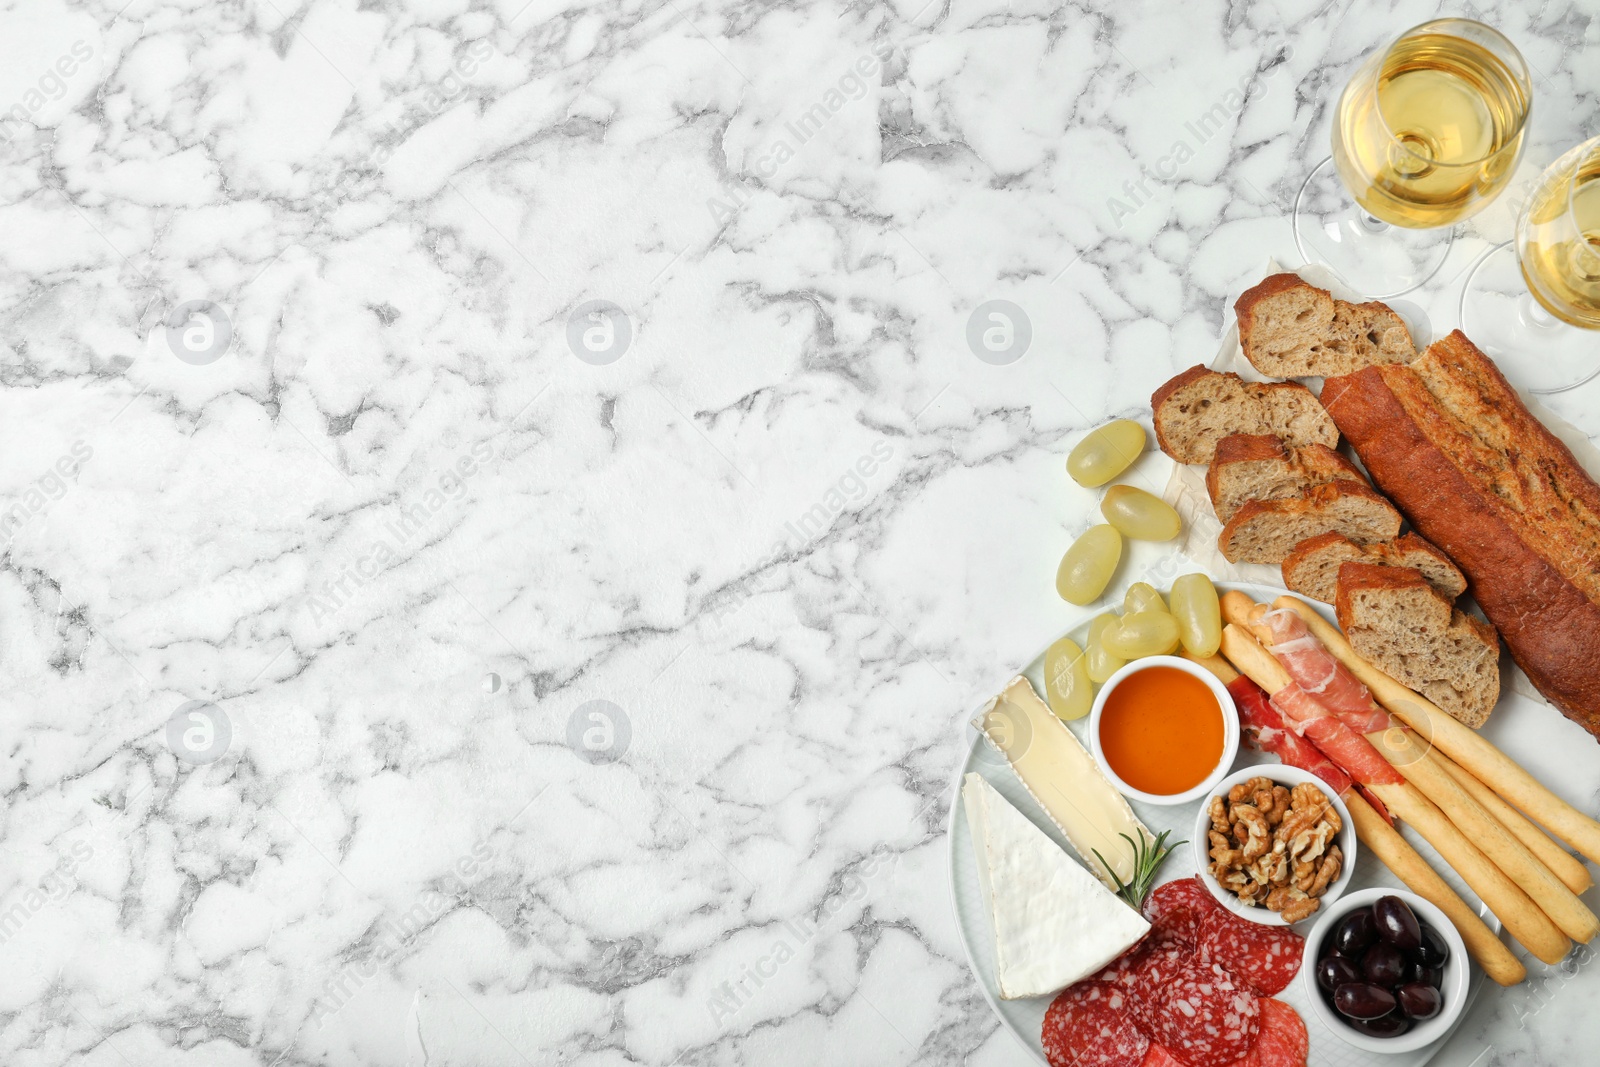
column 406, row 660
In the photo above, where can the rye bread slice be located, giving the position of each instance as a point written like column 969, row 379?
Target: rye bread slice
column 1199, row 407
column 1401, row 625
column 1249, row 467
column 1289, row 328
column 1266, row 531
column 1312, row 569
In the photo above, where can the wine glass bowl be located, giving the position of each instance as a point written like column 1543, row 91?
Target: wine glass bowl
column 1430, row 130
column 1426, row 133
column 1558, row 238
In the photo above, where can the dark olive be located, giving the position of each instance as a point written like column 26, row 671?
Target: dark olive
column 1419, row 1001
column 1355, row 933
column 1335, row 971
column 1434, row 949
column 1383, row 965
column 1357, row 1001
column 1391, row 1025
column 1417, row 972
column 1397, row 924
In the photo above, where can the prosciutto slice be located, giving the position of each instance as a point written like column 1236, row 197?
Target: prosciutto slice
column 1319, row 675
column 1264, row 725
column 1335, row 737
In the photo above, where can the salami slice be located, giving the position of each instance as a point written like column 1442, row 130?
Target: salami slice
column 1177, row 908
column 1125, row 968
column 1160, row 1057
column 1200, row 1015
column 1283, row 1041
column 1264, row 959
column 1089, row 1025
column 1162, row 963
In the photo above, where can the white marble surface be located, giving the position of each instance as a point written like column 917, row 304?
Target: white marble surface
column 397, row 534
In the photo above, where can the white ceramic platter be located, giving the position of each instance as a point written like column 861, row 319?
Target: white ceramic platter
column 1025, row 1017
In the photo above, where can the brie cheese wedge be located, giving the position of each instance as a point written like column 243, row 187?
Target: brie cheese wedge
column 1063, row 779
column 1054, row 923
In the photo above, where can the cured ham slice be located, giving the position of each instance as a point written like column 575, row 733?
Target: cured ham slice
column 1265, row 727
column 1319, row 675
column 1263, row 724
column 1335, row 737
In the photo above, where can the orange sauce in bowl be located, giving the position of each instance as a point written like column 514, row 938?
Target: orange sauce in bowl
column 1162, row 731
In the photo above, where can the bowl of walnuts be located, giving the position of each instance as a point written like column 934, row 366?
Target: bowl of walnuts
column 1274, row 844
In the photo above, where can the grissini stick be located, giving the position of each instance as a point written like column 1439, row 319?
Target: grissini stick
column 1346, row 696
column 1373, row 830
column 1422, row 769
column 1566, row 866
column 1521, row 916
column 1471, row 750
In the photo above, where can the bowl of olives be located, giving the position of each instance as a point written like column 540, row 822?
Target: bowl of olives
column 1386, row 971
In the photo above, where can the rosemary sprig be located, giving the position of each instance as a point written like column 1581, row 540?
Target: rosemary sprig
column 1147, row 859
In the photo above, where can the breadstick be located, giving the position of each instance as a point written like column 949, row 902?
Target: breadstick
column 1469, row 749
column 1394, row 851
column 1216, row 665
column 1566, row 867
column 1385, row 842
column 1521, row 916
column 1421, row 768
column 1495, row 837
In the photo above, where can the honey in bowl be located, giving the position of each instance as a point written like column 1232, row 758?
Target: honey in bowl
column 1162, row 730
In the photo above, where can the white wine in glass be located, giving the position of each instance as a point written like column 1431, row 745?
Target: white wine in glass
column 1427, row 132
column 1558, row 240
column 1534, row 304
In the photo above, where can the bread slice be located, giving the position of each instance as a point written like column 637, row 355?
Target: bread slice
column 1312, row 569
column 1455, row 447
column 1260, row 467
column 1266, row 531
column 1289, row 328
column 1402, row 626
column 1200, row 407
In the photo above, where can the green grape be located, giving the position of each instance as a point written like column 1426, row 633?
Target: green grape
column 1194, row 605
column 1105, row 453
column 1140, row 515
column 1066, row 680
column 1144, row 633
column 1101, row 663
column 1087, row 567
column 1142, row 596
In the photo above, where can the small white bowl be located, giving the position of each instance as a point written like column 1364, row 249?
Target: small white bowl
column 1225, row 705
column 1291, row 777
column 1457, row 975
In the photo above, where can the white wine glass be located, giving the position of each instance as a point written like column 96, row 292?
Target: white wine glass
column 1427, row 132
column 1534, row 303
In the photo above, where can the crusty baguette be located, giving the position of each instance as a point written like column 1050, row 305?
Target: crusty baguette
column 1196, row 409
column 1401, row 625
column 1312, row 569
column 1249, row 467
column 1451, row 442
column 1288, row 328
column 1266, row 531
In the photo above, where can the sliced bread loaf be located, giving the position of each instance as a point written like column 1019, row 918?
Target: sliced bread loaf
column 1266, row 531
column 1200, row 407
column 1289, row 328
column 1260, row 467
column 1312, row 569
column 1400, row 624
column 1478, row 475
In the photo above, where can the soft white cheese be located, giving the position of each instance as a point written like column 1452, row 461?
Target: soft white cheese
column 1054, row 923
column 1061, row 776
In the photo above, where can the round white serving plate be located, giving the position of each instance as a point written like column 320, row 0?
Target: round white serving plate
column 1025, row 1018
